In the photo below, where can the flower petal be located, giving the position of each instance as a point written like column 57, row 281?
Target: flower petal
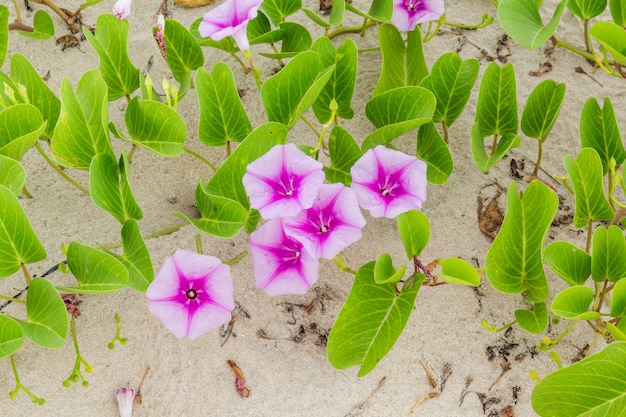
column 230, row 19
column 407, row 14
column 281, row 264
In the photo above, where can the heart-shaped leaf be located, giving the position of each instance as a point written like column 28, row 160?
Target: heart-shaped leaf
column 18, row 242
column 586, row 9
column 599, row 130
column 260, row 30
column 522, row 21
column 39, row 94
column 43, row 26
column 96, row 271
column 573, row 303
column 414, row 229
column 110, row 187
column 370, row 321
column 81, row 131
column 384, row 271
column 183, row 52
column 569, row 262
column 11, row 336
column 586, row 176
column 432, row 149
column 613, row 38
column 111, row 44
column 12, row 174
column 496, row 110
column 534, row 320
column 21, row 125
column 47, row 323
column 155, row 126
column 608, row 254
column 514, row 261
column 458, row 271
column 451, row 81
column 593, row 387
column 542, row 108
column 277, row 10
column 344, row 152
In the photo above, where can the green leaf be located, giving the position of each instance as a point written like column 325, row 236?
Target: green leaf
column 223, row 118
column 81, row 132
column 586, row 176
column 155, row 126
column 295, row 38
column 586, row 9
column 260, row 31
column 618, row 11
column 496, row 109
column 432, row 149
column 344, row 152
column 380, row 10
column 39, row 94
column 4, row 45
column 110, row 187
column 402, row 65
column 451, row 81
column 385, row 273
column 226, row 182
column 458, row 271
column 43, row 26
column 12, row 174
column 18, row 242
column 514, row 261
column 613, row 38
column 288, row 94
column 608, row 254
column 414, row 230
column 593, row 387
column 111, row 44
column 253, row 220
column 616, row 333
column 277, row 10
column 522, row 21
column 136, row 257
column 573, row 303
column 535, row 320
column 11, row 335
column 370, row 321
column 183, row 52
column 336, row 12
column 542, row 108
column 396, row 112
column 599, row 130
column 483, row 161
column 569, row 262
column 47, row 323
column 340, row 86
column 21, row 125
column 97, row 271
column 317, row 19
column 221, row 216
column 618, row 299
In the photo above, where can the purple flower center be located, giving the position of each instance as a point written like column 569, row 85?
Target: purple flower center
column 285, row 184
column 194, row 294
column 415, row 5
column 191, row 294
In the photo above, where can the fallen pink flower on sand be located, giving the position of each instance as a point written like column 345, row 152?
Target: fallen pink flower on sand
column 388, row 182
column 281, row 264
column 407, row 14
column 230, row 19
column 283, row 182
column 332, row 224
column 125, row 399
column 192, row 294
column 121, row 9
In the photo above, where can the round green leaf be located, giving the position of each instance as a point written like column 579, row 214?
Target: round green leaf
column 608, row 254
column 542, row 108
column 47, row 322
column 43, row 26
column 534, row 320
column 414, row 230
column 599, row 130
column 613, row 38
column 21, row 125
column 569, row 262
column 183, row 52
column 586, row 9
column 573, row 303
column 344, row 152
column 522, row 21
column 385, row 273
column 458, row 271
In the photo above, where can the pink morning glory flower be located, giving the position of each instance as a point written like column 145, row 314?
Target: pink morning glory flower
column 192, row 294
column 332, row 224
column 121, row 9
column 409, row 13
column 230, row 19
column 388, row 182
column 283, row 182
column 281, row 264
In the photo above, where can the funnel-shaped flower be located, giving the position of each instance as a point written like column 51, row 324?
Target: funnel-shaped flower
column 192, row 294
column 283, row 182
column 125, row 398
column 121, row 9
column 388, row 182
column 230, row 19
column 409, row 13
column 281, row 264
column 332, row 224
